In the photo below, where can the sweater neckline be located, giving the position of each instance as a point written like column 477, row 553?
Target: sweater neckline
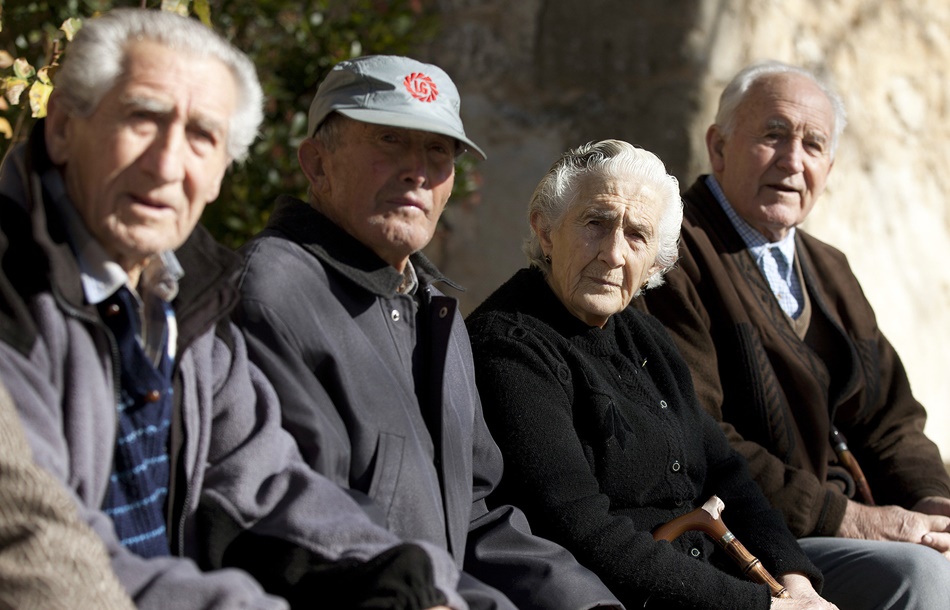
column 544, row 304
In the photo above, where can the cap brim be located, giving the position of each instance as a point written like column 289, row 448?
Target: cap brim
column 398, row 119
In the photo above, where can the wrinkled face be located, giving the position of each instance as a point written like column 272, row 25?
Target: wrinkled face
column 774, row 165
column 604, row 249
column 142, row 167
column 385, row 186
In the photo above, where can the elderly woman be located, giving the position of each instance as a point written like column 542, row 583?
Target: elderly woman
column 594, row 409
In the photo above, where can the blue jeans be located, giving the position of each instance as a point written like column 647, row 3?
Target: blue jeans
column 877, row 575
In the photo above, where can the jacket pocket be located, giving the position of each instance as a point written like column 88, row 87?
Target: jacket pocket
column 388, row 466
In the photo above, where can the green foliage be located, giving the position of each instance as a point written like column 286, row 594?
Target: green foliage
column 293, row 46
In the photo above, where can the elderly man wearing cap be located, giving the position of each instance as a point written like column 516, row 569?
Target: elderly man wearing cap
column 371, row 361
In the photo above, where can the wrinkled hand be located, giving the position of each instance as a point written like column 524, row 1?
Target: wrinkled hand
column 899, row 524
column 803, row 595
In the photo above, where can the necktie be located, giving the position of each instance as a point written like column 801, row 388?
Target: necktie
column 775, row 267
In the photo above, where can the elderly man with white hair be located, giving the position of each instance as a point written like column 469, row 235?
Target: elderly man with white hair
column 786, row 353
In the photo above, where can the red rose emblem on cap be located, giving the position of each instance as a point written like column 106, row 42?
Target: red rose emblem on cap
column 421, row 87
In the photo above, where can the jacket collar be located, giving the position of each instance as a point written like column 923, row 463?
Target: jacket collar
column 701, row 203
column 340, row 251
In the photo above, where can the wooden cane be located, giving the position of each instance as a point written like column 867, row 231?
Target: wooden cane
column 707, row 519
column 847, row 458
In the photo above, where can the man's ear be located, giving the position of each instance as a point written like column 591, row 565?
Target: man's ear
column 715, row 142
column 57, row 129
column 312, row 156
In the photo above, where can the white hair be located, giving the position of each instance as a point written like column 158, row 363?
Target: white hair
column 557, row 193
column 96, row 59
column 740, row 84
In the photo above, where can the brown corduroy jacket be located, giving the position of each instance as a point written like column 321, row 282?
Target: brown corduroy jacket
column 776, row 394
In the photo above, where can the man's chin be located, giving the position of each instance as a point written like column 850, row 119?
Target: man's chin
column 140, row 248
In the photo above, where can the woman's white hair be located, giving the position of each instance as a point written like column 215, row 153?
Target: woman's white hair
column 740, row 84
column 609, row 159
column 96, row 59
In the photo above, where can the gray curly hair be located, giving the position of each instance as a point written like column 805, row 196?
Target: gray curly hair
column 558, row 190
column 96, row 58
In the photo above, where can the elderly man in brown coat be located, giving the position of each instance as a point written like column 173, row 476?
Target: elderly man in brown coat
column 785, row 351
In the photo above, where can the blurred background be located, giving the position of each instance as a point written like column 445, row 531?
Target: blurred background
column 540, row 76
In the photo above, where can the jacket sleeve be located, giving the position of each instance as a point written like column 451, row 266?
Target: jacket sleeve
column 901, row 463
column 48, row 558
column 37, row 388
column 502, row 550
column 532, row 415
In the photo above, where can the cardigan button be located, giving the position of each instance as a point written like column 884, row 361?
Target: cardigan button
column 663, row 404
column 113, row 309
column 443, row 312
column 395, row 315
column 695, row 552
column 153, row 396
column 676, row 466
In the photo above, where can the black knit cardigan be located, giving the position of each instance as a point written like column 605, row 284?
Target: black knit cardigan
column 604, row 440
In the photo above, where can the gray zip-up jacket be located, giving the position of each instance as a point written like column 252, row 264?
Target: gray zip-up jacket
column 240, row 494
column 379, row 390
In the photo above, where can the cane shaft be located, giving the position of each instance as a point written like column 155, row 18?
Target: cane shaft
column 864, row 490
column 751, row 566
column 848, row 460
column 700, row 520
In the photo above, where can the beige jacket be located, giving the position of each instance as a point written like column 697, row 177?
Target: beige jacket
column 48, row 558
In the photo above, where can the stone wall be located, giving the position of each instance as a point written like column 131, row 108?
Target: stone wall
column 539, row 77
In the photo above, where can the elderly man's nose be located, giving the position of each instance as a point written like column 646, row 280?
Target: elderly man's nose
column 415, row 168
column 165, row 157
column 792, row 156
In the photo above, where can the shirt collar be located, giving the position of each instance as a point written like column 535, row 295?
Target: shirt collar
column 754, row 241
column 410, row 281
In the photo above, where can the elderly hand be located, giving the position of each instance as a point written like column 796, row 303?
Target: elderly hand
column 803, row 595
column 899, row 524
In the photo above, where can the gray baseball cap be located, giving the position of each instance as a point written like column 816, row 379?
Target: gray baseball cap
column 395, row 91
